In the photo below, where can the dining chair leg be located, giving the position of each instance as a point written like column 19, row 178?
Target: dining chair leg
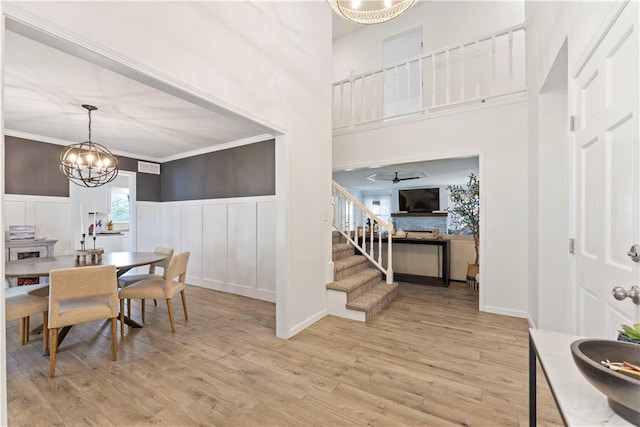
column 114, row 339
column 45, row 330
column 184, row 304
column 26, row 329
column 155, row 302
column 121, row 317
column 171, row 319
column 129, row 308
column 22, row 328
column 142, row 308
column 52, row 352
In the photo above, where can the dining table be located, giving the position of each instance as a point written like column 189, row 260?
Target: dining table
column 41, row 267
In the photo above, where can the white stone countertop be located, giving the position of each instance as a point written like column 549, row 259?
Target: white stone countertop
column 580, row 403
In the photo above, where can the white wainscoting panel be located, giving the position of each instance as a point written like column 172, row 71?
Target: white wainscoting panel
column 241, row 244
column 266, row 247
column 15, row 212
column 214, row 244
column 191, row 238
column 148, row 226
column 232, row 243
column 171, row 227
column 51, row 215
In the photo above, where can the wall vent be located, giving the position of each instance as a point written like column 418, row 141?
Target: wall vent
column 146, row 167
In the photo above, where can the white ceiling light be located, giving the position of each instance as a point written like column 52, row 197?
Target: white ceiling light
column 370, row 11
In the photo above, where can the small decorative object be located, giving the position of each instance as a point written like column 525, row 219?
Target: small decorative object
column 465, row 213
column 87, row 163
column 95, row 255
column 110, row 225
column 630, row 333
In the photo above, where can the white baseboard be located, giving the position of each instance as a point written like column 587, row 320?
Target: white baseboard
column 231, row 288
column 306, row 323
column 336, row 306
column 532, row 324
column 506, row 312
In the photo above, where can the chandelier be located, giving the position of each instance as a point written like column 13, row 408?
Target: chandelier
column 370, row 11
column 88, row 164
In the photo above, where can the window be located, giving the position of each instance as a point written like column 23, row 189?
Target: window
column 379, row 204
column 119, row 204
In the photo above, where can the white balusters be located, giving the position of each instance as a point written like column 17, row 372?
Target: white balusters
column 434, row 87
column 493, row 60
column 510, row 55
column 477, row 69
column 480, row 78
column 447, row 58
column 461, row 73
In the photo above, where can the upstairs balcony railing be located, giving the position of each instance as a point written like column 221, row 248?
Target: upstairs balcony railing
column 491, row 66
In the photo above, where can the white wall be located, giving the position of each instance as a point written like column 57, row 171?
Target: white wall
column 270, row 61
column 549, row 25
column 443, row 23
column 497, row 133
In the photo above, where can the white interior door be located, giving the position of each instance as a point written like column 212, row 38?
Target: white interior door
column 607, row 157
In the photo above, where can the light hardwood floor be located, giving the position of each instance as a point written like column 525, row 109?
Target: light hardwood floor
column 429, row 359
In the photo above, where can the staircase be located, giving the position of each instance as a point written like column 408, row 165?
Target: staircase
column 358, row 291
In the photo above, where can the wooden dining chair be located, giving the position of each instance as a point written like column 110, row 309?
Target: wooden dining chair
column 23, row 301
column 126, row 280
column 82, row 294
column 159, row 288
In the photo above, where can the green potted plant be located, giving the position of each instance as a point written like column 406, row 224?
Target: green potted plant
column 465, row 213
column 630, row 333
column 110, row 225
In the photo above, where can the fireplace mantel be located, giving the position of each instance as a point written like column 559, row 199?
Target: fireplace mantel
column 15, row 250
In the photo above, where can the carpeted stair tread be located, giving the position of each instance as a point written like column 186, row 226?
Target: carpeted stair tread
column 344, row 263
column 375, row 299
column 350, row 283
column 339, row 247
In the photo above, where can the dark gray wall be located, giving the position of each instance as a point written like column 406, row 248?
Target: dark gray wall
column 249, row 170
column 31, row 168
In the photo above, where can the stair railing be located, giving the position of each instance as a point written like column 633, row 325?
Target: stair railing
column 350, row 217
column 466, row 73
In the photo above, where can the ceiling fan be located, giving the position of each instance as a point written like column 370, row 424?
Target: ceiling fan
column 396, row 180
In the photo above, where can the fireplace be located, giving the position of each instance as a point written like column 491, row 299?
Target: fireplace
column 16, row 250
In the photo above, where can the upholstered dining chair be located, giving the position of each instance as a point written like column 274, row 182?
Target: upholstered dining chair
column 159, row 288
column 23, row 301
column 124, row 281
column 82, row 294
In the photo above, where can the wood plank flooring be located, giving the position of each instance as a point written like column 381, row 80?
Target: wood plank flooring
column 429, row 359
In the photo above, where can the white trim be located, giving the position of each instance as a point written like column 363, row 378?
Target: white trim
column 238, row 143
column 30, row 198
column 306, row 323
column 598, row 36
column 506, row 312
column 38, row 29
column 225, row 201
column 418, row 116
column 337, row 306
column 235, row 289
column 219, row 147
column 532, row 324
column 3, row 322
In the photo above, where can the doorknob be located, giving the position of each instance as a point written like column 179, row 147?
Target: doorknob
column 634, row 253
column 634, row 293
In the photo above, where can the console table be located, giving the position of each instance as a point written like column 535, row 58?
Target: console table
column 579, row 403
column 443, row 248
